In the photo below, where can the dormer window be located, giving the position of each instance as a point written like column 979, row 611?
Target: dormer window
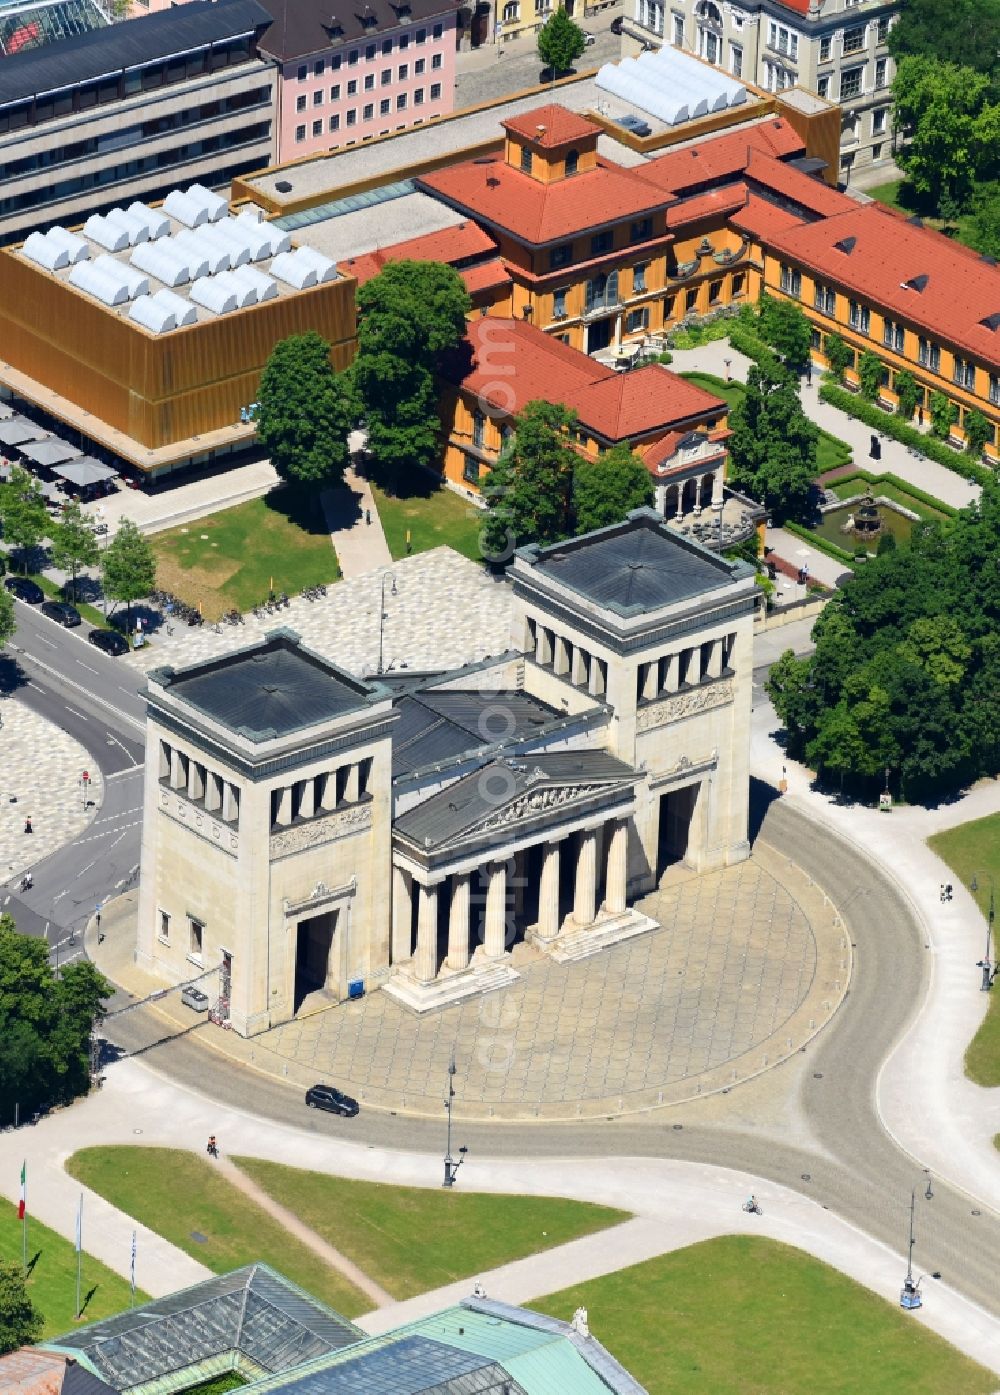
column 368, row 20
column 846, row 245
column 915, row 283
column 335, row 29
column 526, row 160
column 572, row 162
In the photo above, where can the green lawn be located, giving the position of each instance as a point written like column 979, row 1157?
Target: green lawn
column 878, row 484
column 831, row 451
column 221, row 1385
column 233, row 558
column 52, row 1285
column 409, row 1239
column 433, row 519
column 898, row 194
column 179, row 1194
column 747, row 1316
column 973, row 849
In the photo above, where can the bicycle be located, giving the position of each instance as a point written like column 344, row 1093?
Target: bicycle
column 752, row 1207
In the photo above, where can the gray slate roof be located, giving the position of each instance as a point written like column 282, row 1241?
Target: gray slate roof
column 462, row 806
column 436, row 726
column 634, row 567
column 253, row 1311
column 272, row 689
column 310, row 26
column 68, row 62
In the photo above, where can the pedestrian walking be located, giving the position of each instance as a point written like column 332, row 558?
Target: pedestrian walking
column 27, row 825
column 368, row 515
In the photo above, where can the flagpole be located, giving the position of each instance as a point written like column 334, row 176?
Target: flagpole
column 24, row 1217
column 132, row 1300
column 79, row 1251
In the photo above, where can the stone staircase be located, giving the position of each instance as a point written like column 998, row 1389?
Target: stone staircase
column 482, row 976
column 574, row 944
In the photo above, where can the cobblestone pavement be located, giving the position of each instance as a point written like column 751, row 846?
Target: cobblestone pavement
column 42, row 767
column 748, row 965
column 447, row 611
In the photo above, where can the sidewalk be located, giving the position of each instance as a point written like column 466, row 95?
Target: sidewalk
column 170, row 505
column 355, row 527
column 675, row 1203
column 925, row 474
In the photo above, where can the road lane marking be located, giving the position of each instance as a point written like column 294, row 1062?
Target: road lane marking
column 48, row 642
column 124, row 774
column 76, row 713
column 61, row 677
column 88, row 668
column 111, row 737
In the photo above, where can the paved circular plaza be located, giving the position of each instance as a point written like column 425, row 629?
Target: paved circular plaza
column 747, row 965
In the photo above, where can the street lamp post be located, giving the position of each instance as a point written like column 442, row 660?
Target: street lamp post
column 910, row 1297
column 386, row 577
column 450, row 1165
column 985, row 963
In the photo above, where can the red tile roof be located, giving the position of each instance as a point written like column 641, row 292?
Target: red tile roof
column 714, row 204
column 513, row 363
column 762, row 219
column 722, row 157
column 961, row 290
column 453, row 244
column 801, row 188
column 537, row 213
column 485, row 275
column 562, row 127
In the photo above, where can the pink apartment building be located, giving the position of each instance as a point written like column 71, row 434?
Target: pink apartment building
column 350, row 71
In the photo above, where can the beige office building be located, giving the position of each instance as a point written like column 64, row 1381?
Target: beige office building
column 313, row 836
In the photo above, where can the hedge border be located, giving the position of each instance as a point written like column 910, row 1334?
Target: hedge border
column 904, row 487
column 841, row 445
column 821, row 544
column 908, row 435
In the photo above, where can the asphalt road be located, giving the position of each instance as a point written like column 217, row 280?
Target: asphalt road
column 95, row 699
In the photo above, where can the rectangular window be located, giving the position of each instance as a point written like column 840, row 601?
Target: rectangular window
column 601, row 243
column 642, row 230
column 559, row 304
column 736, row 59
column 471, row 470
column 370, row 52
column 401, row 102
column 851, row 83
column 368, row 112
column 860, row 317
column 369, row 82
column 419, row 67
column 738, row 281
column 825, row 300
column 879, row 121
column 318, row 97
column 437, row 31
column 197, row 938
column 404, row 41
column 478, row 430
column 334, row 123
column 300, row 102
column 823, row 87
column 335, row 62
column 825, row 45
column 385, row 77
column 164, row 931
column 302, row 73
column 882, row 29
column 791, row 281
column 714, row 292
column 668, row 308
column 637, row 321
column 929, row 355
column 560, row 256
column 435, row 91
column 300, row 133
column 384, row 107
column 352, row 116
column 639, row 277
column 335, row 92
column 964, row 373
column 418, row 97
column 995, row 391
column 421, row 36
column 525, row 160
column 854, row 39
column 436, row 60
column 881, row 72
column 602, row 292
column 404, row 72
column 352, row 58
column 352, row 88
column 690, row 300
column 317, row 128
column 318, row 68
column 893, row 336
column 386, row 45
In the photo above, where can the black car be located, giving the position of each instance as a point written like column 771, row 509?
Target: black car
column 62, row 612
column 326, row 1097
column 25, row 590
column 108, row 641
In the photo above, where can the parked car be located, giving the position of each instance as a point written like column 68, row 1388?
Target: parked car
column 589, row 38
column 62, row 612
column 617, row 24
column 108, row 641
column 326, row 1097
column 194, row 998
column 25, row 590
column 635, row 124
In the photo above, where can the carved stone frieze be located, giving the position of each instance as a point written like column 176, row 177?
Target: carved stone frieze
column 537, row 801
column 325, row 829
column 184, row 811
column 678, row 705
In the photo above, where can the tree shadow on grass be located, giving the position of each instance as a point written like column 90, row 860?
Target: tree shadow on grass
column 301, row 505
column 88, row 1296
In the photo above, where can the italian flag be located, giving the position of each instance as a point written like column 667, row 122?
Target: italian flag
column 23, row 1202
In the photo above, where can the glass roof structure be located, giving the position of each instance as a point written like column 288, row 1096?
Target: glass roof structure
column 27, row 26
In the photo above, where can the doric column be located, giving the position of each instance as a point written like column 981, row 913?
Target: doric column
column 352, row 783
column 213, row 791
column 328, row 790
column 585, row 891
column 596, row 686
column 230, row 802
column 680, row 502
column 496, row 906
column 697, row 493
column 715, row 659
column 560, row 661
column 717, row 499
column 196, row 780
column 177, row 776
column 402, row 914
column 543, row 646
column 425, row 960
column 617, row 867
column 283, row 814
column 307, row 799
column 458, row 922
column 670, row 677
column 548, row 893
column 650, row 680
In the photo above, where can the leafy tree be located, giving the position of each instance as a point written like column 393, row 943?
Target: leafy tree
column 838, row 746
column 772, row 451
column 839, row 355
column 305, row 411
column 871, row 371
column 560, row 42
column 969, row 36
column 978, row 430
column 784, row 326
column 938, row 645
column 22, row 508
column 984, row 222
column 951, row 130
column 8, row 617
column 128, row 566
column 74, row 542
column 20, row 1321
column 411, row 315
column 605, row 490
column 886, row 543
column 944, row 414
column 45, row 1023
column 528, row 491
column 909, row 392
